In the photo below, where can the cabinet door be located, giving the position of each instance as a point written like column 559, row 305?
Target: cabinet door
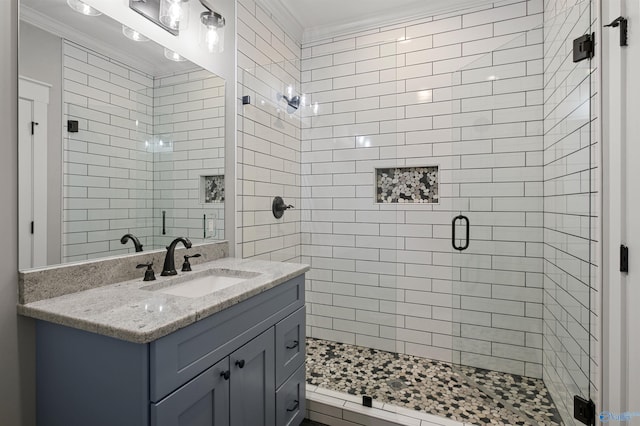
column 204, row 401
column 253, row 382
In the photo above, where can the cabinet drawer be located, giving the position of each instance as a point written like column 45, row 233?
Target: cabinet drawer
column 290, row 345
column 182, row 355
column 290, row 400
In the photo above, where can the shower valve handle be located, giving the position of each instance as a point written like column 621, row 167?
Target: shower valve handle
column 278, row 207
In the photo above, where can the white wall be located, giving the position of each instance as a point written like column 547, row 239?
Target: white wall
column 462, row 91
column 572, row 209
column 268, row 137
column 17, row 351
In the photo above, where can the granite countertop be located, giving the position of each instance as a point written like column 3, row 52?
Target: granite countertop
column 129, row 312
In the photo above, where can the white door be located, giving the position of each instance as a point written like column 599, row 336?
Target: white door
column 32, row 173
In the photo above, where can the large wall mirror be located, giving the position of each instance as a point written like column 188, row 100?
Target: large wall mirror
column 118, row 136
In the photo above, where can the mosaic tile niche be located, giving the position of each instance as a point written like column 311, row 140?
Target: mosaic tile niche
column 212, row 189
column 407, row 185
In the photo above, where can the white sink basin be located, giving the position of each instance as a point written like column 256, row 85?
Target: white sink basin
column 202, row 285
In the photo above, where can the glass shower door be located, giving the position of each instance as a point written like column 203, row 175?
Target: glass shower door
column 522, row 277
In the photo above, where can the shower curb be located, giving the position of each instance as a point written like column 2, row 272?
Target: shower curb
column 335, row 408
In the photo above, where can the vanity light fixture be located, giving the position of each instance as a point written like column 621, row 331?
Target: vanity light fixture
column 132, row 34
column 173, row 56
column 212, row 29
column 174, row 14
column 83, row 8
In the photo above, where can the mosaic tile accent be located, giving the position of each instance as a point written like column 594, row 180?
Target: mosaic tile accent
column 214, row 189
column 407, row 185
column 461, row 393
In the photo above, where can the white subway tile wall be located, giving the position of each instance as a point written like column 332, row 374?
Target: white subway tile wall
column 189, row 119
column 268, row 152
column 108, row 171
column 463, row 92
column 571, row 209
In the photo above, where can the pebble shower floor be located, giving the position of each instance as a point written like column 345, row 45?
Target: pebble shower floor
column 465, row 394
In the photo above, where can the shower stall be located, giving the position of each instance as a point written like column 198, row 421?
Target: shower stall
column 444, row 174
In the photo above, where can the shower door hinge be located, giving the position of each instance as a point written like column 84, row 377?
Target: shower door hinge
column 584, row 410
column 624, row 258
column 583, row 47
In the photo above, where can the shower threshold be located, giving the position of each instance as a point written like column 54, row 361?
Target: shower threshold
column 461, row 393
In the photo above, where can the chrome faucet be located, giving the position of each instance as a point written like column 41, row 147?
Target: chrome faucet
column 169, row 267
column 136, row 241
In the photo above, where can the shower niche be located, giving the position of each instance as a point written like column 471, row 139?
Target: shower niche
column 212, row 189
column 412, row 185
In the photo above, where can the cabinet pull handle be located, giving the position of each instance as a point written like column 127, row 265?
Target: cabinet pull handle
column 240, row 363
column 294, row 345
column 225, row 374
column 294, row 407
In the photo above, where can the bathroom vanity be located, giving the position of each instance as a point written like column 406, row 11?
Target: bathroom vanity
column 164, row 353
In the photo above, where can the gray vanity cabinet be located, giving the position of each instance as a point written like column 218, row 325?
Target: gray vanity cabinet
column 242, row 366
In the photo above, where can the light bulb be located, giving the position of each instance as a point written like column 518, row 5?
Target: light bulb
column 174, row 14
column 173, row 56
column 212, row 31
column 211, row 39
column 132, row 34
column 83, row 8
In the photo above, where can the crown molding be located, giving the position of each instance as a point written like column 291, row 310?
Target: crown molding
column 37, row 19
column 426, row 9
column 283, row 16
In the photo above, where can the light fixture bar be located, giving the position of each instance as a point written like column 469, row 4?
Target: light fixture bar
column 150, row 9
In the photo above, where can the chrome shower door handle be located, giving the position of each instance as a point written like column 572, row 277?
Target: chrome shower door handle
column 453, row 233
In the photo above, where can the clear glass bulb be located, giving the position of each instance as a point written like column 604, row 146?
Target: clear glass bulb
column 174, row 14
column 173, row 56
column 83, row 8
column 212, row 31
column 211, row 39
column 132, row 34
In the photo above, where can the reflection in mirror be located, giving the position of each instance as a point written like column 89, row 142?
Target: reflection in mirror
column 115, row 139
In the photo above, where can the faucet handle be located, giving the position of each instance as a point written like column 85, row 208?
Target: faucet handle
column 186, row 266
column 149, row 275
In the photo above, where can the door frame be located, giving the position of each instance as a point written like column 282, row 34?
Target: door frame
column 36, row 92
column 621, row 154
